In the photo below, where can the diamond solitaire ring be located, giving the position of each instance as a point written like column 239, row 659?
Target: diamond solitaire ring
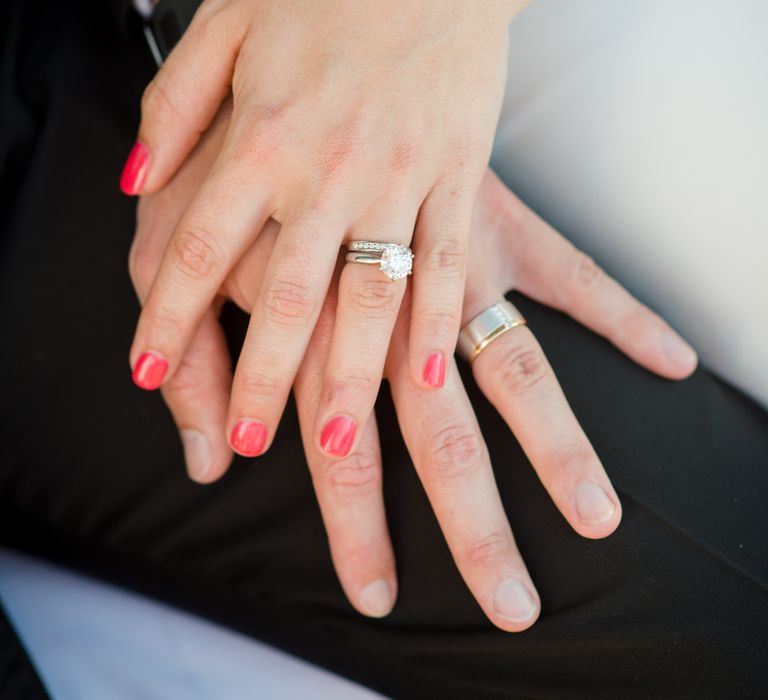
column 393, row 259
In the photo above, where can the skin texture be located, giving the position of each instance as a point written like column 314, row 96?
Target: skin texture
column 349, row 121
column 512, row 249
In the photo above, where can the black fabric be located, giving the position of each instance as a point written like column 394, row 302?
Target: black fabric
column 169, row 20
column 674, row 604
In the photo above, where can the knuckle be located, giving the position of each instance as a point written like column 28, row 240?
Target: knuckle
column 448, row 257
column 204, row 18
column 258, row 140
column 143, row 272
column 159, row 102
column 350, row 382
column 139, row 267
column 489, row 550
column 466, row 145
column 403, row 154
column 586, row 273
column 572, row 461
column 631, row 326
column 189, row 381
column 166, row 322
column 288, row 301
column 360, row 381
column 336, row 156
column 437, row 321
column 256, row 383
column 238, row 289
column 195, row 255
column 514, row 220
column 522, row 368
column 374, row 297
column 214, row 23
column 456, row 453
column 635, row 325
column 577, row 461
column 356, row 476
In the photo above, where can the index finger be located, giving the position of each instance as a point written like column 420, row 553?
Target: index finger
column 226, row 215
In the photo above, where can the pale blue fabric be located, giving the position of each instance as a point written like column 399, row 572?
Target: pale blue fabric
column 91, row 641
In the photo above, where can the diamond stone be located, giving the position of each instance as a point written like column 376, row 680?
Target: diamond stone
column 396, row 262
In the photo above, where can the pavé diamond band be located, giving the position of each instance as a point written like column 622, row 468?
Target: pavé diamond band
column 484, row 328
column 393, row 259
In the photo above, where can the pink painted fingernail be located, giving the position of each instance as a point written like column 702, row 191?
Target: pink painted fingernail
column 149, row 371
column 434, row 370
column 338, row 436
column 135, row 169
column 249, row 437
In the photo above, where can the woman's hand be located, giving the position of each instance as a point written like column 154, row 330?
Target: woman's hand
column 351, row 120
column 515, row 249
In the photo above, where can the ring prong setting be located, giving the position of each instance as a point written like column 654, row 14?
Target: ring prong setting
column 396, row 262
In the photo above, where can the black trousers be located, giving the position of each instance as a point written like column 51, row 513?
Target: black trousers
column 674, row 604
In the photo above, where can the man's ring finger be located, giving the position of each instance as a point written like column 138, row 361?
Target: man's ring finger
column 484, row 328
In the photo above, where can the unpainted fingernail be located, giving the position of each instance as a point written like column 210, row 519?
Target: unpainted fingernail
column 197, row 453
column 149, row 370
column 513, row 601
column 677, row 350
column 593, row 504
column 376, row 599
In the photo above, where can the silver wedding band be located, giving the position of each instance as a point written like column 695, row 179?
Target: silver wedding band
column 486, row 327
column 394, row 260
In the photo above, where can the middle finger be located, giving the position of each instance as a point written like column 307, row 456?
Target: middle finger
column 367, row 309
column 287, row 306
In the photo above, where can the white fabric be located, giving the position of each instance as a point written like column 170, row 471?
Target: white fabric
column 91, row 641
column 640, row 129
